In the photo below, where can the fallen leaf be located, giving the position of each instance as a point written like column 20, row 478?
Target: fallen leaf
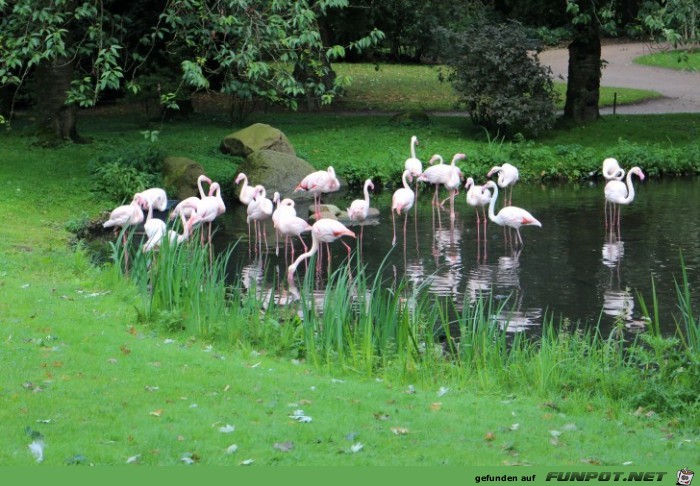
column 304, row 402
column 514, row 427
column 151, row 388
column 435, row 406
column 124, row 349
column 227, row 429
column 410, row 390
column 37, row 450
column 76, row 460
column 356, row 447
column 247, row 462
column 381, row 416
column 299, row 416
column 442, row 391
column 231, row 449
column 133, row 459
column 490, row 436
column 399, row 430
column 283, row 446
column 157, row 413
column 133, row 331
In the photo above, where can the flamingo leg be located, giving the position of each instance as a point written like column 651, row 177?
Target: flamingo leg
column 393, row 224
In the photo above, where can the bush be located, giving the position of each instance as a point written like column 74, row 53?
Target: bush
column 121, row 173
column 503, row 87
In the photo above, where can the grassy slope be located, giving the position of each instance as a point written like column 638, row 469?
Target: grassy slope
column 680, row 60
column 76, row 356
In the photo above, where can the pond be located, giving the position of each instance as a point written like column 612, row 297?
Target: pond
column 569, row 268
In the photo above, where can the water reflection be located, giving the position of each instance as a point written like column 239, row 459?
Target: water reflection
column 573, row 267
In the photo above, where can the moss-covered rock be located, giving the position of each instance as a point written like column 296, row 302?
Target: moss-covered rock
column 180, row 177
column 258, row 136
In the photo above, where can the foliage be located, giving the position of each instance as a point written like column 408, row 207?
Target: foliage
column 683, row 60
column 674, row 21
column 253, row 51
column 122, row 172
column 502, row 87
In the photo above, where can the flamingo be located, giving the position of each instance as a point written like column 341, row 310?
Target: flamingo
column 510, row 216
column 155, row 196
column 247, row 191
column 124, row 216
column 360, row 207
column 478, row 196
column 441, row 174
column 325, row 230
column 284, row 207
column 289, row 224
column 185, row 207
column 508, row 175
column 206, row 211
column 215, row 192
column 413, row 163
column 618, row 192
column 259, row 209
column 612, row 169
column 317, row 183
column 155, row 230
column 402, row 200
column 452, row 183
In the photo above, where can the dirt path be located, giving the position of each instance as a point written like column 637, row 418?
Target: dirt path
column 681, row 90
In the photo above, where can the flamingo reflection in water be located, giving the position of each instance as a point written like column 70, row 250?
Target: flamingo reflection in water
column 618, row 302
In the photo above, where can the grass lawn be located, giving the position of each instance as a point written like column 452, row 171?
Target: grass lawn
column 392, row 87
column 677, row 59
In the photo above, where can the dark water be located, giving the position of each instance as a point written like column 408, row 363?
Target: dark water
column 570, row 268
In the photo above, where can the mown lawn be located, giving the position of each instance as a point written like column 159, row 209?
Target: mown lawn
column 682, row 60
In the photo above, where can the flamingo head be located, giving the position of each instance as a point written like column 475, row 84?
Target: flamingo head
column 459, row 157
column 213, row 188
column 203, row 178
column 370, row 184
column 276, row 197
column 470, row 182
column 259, row 191
column 414, row 140
column 493, row 171
column 435, row 158
column 239, row 178
column 639, row 172
column 489, row 184
column 287, row 202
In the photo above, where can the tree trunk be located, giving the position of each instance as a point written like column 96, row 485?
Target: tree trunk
column 583, row 87
column 55, row 120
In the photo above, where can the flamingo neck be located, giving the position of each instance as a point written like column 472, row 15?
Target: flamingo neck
column 314, row 248
column 492, row 204
column 630, row 187
column 413, row 147
column 199, row 185
column 367, row 192
column 150, row 211
column 405, row 182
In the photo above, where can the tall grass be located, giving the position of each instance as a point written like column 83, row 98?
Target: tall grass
column 378, row 326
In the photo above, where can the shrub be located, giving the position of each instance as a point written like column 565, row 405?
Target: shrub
column 503, row 87
column 121, row 173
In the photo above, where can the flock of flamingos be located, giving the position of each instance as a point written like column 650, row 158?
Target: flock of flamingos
column 205, row 208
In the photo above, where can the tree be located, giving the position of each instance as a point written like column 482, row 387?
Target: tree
column 499, row 80
column 75, row 50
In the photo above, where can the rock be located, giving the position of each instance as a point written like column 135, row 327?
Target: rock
column 180, row 174
column 258, row 136
column 279, row 172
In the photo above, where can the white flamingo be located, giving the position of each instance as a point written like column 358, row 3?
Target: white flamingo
column 317, row 183
column 154, row 196
column 510, row 216
column 508, row 175
column 247, row 191
column 402, row 200
column 618, row 192
column 478, row 197
column 359, row 208
column 259, row 209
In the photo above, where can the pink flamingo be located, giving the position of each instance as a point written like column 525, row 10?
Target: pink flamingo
column 618, row 192
column 284, row 207
column 359, row 208
column 317, row 183
column 259, row 209
column 154, row 196
column 155, row 230
column 440, row 174
column 452, row 184
column 508, row 175
column 612, row 169
column 247, row 191
column 510, row 216
column 478, row 197
column 124, row 216
column 289, row 224
column 325, row 230
column 413, row 164
column 402, row 200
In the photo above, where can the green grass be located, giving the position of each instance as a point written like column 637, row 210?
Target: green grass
column 105, row 373
column 394, row 87
column 679, row 60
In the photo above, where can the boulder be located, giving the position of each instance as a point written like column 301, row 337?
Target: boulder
column 180, row 175
column 258, row 136
column 277, row 172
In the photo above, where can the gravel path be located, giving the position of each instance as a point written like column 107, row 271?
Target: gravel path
column 681, row 90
